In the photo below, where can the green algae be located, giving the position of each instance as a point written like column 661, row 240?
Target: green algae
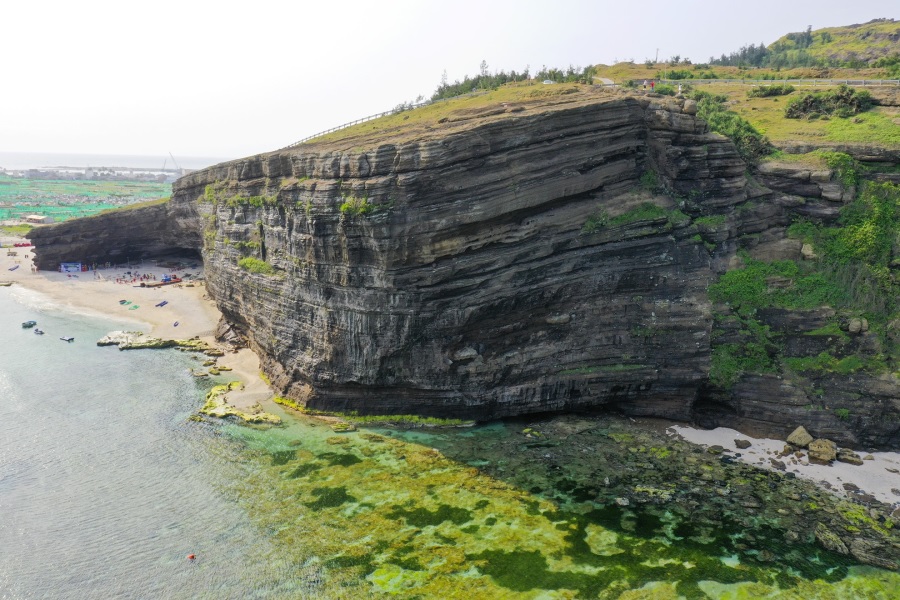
column 283, row 457
column 216, row 406
column 385, row 517
column 304, row 470
column 329, row 497
column 422, row 517
column 346, row 421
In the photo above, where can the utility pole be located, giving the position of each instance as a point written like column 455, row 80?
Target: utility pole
column 656, row 60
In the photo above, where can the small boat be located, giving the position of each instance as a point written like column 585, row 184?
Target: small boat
column 175, row 324
column 124, row 302
column 14, row 268
column 39, row 331
column 29, row 324
column 67, row 338
column 133, row 306
column 163, row 303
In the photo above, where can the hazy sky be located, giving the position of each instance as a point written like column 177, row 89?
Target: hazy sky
column 230, row 79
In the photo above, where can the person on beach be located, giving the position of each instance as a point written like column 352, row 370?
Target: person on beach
column 652, row 85
column 645, row 84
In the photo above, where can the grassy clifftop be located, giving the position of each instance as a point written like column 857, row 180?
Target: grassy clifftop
column 869, row 51
column 445, row 116
column 854, row 45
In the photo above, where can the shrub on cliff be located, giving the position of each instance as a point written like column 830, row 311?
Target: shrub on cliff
column 255, row 265
column 665, row 89
column 842, row 102
column 765, row 91
column 355, row 205
column 853, row 273
column 751, row 144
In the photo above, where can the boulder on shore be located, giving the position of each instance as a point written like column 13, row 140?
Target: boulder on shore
column 849, row 456
column 822, row 451
column 800, row 437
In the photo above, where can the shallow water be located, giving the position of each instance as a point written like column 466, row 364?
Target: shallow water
column 105, row 487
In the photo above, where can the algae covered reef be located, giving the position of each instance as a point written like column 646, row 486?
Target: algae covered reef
column 569, row 507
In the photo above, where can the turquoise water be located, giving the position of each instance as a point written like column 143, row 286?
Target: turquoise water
column 106, row 486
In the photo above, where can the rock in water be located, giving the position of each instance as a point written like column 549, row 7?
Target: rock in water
column 830, row 540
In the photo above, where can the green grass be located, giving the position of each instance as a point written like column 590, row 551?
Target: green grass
column 453, row 113
column 765, row 91
column 710, row 222
column 813, row 160
column 255, row 265
column 17, row 230
column 873, row 38
column 257, row 201
column 851, row 274
column 356, row 206
column 135, row 205
column 877, row 126
column 826, row 363
column 646, row 211
column 832, row 329
column 842, row 101
column 751, row 144
column 754, row 355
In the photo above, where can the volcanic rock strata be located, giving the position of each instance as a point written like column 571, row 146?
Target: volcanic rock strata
column 530, row 258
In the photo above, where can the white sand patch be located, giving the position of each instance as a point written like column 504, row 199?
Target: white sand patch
column 872, row 477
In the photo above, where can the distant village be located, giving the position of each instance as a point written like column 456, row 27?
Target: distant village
column 97, row 174
column 37, row 196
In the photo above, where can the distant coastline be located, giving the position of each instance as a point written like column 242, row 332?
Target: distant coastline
column 38, row 160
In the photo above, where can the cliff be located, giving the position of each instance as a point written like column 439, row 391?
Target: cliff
column 546, row 255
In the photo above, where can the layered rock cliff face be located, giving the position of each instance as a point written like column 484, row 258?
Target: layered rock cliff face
column 121, row 236
column 450, row 276
column 523, row 259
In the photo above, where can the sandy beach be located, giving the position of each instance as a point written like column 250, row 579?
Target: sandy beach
column 99, row 294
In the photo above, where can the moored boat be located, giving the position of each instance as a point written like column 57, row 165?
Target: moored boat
column 29, row 324
column 67, row 338
column 39, row 331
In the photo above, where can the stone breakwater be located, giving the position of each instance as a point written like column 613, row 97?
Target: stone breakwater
column 536, row 257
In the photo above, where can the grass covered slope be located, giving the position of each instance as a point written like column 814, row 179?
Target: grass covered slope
column 853, row 271
column 877, row 126
column 444, row 116
column 856, row 45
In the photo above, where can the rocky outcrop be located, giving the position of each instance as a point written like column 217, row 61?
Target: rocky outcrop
column 822, row 451
column 121, row 237
column 546, row 256
column 451, row 276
